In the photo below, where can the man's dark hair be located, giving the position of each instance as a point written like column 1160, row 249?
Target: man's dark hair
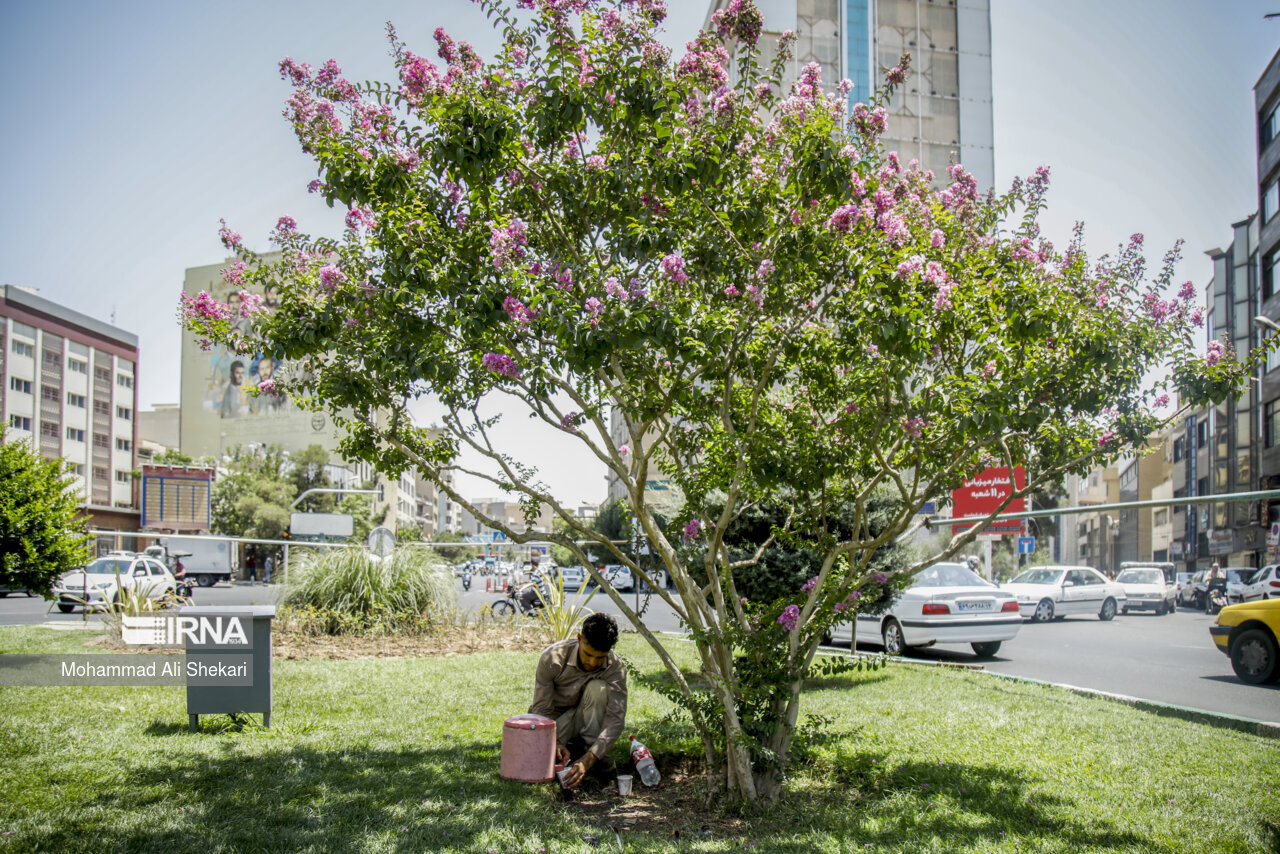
column 601, row 631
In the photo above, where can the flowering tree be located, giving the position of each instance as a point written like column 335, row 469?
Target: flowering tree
column 584, row 228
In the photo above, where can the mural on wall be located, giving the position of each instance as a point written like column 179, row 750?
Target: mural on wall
column 240, row 385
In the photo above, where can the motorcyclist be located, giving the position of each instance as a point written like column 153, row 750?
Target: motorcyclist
column 180, row 575
column 1215, row 583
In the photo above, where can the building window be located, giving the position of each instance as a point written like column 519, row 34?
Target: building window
column 122, row 477
column 1267, row 128
column 20, row 385
column 1178, row 445
column 77, row 469
column 1162, row 517
column 21, row 348
column 1202, row 433
column 99, row 473
column 101, row 440
column 20, row 422
column 124, row 412
column 52, row 359
column 1270, row 200
column 49, row 428
column 77, row 366
column 101, row 373
column 124, row 445
column 50, row 392
column 1269, row 274
column 124, row 381
column 75, row 435
column 1271, row 424
column 76, row 400
column 101, row 407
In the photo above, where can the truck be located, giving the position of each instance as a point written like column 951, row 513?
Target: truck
column 206, row 561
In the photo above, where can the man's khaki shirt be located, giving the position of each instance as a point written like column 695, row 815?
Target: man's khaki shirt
column 559, row 684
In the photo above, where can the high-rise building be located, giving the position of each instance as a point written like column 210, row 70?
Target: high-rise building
column 70, row 387
column 942, row 114
column 1266, row 93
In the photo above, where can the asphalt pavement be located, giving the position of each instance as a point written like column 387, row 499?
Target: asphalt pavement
column 1167, row 659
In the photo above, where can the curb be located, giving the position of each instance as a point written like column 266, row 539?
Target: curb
column 1249, row 726
column 1263, row 729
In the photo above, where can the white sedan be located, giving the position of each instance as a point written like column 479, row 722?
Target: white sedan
column 101, row 582
column 1264, row 584
column 946, row 603
column 1053, row 592
column 1146, row 589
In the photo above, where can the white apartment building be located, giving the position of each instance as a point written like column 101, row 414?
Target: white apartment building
column 70, row 387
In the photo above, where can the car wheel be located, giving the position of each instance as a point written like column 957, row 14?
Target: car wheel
column 1108, row 611
column 204, row 579
column 4, row 594
column 1253, row 657
column 891, row 634
column 503, row 609
column 1044, row 611
column 66, row 609
column 985, row 649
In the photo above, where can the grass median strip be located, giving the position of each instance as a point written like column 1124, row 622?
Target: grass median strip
column 401, row 754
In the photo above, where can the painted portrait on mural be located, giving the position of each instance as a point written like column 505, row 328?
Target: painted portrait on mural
column 240, row 385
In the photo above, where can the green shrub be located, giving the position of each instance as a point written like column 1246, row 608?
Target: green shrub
column 397, row 591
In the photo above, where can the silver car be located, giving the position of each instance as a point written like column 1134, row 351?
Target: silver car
column 946, row 603
column 101, row 582
column 1147, row 589
column 1053, row 592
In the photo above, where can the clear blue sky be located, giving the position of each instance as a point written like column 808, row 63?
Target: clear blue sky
column 130, row 127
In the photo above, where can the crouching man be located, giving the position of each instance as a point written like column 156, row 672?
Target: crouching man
column 582, row 684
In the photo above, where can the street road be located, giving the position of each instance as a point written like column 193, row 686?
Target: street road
column 1169, row 659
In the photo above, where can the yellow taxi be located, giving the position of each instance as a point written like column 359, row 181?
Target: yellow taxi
column 1247, row 634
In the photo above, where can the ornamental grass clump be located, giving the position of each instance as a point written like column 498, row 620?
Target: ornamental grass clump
column 348, row 591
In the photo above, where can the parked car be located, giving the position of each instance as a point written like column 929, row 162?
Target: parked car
column 1146, row 589
column 946, row 603
column 101, row 581
column 1265, row 584
column 1237, row 578
column 1168, row 569
column 1182, row 582
column 1247, row 634
column 1054, row 592
column 5, row 591
column 574, row 577
column 1192, row 593
column 619, row 576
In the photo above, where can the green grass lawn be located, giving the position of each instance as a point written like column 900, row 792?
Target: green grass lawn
column 402, row 755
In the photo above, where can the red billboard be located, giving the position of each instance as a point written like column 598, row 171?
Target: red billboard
column 986, row 491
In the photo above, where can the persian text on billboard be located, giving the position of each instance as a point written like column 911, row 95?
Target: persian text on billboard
column 984, row 493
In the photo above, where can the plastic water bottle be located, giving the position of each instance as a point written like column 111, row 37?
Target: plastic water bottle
column 643, row 761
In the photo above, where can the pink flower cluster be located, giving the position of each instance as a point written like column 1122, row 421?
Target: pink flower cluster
column 506, row 244
column 692, row 530
column 234, row 274
column 203, row 307
column 570, row 421
column 614, row 288
column 500, row 363
column 594, row 308
column 847, row 602
column 809, row 585
column 844, row 218
column 789, row 618
column 673, row 266
column 331, row 277
column 518, row 311
column 705, row 63
column 913, row 427
column 230, row 239
column 740, row 20
column 1216, row 351
column 360, row 217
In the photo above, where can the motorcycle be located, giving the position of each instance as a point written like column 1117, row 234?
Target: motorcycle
column 466, row 579
column 183, row 586
column 1215, row 597
column 522, row 599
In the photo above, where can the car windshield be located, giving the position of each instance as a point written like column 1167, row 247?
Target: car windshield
column 108, row 566
column 1141, row 576
column 1240, row 575
column 949, row 575
column 1039, row 576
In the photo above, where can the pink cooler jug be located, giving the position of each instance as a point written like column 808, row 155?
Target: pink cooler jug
column 528, row 749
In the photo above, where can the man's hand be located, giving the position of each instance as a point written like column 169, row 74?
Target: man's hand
column 577, row 771
column 562, row 755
